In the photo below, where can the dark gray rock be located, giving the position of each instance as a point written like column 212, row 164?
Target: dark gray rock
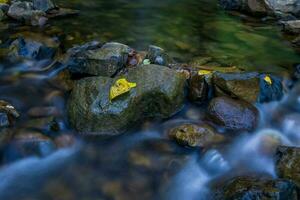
column 242, row 188
column 288, row 163
column 159, row 94
column 104, row 61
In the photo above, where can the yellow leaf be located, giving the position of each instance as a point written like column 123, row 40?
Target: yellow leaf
column 268, row 79
column 3, row 1
column 204, row 72
column 120, row 87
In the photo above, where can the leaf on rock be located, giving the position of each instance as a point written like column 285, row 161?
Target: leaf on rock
column 204, row 72
column 120, row 87
column 4, row 1
column 268, row 79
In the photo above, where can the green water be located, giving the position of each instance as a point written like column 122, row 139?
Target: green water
column 186, row 28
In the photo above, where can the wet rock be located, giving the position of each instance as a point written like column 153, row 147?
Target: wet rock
column 33, row 48
column 264, row 7
column 193, row 135
column 257, row 188
column 159, row 94
column 292, row 26
column 43, row 5
column 104, row 61
column 24, row 12
column 158, row 56
column 26, row 143
column 198, row 89
column 288, row 163
column 238, row 85
column 251, row 87
column 235, row 115
column 8, row 114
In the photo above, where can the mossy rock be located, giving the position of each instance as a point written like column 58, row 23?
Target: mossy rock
column 159, row 94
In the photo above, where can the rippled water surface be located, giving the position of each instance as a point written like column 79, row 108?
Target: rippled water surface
column 145, row 164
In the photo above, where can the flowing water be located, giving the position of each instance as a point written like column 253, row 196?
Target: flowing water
column 144, row 163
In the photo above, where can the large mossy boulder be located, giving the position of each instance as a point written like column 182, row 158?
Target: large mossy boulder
column 242, row 188
column 159, row 93
column 232, row 114
column 288, row 163
column 90, row 59
column 251, row 87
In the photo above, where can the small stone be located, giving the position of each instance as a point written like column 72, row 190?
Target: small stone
column 193, row 135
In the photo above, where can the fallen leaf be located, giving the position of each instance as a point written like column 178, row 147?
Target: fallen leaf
column 120, row 87
column 204, row 72
column 268, row 79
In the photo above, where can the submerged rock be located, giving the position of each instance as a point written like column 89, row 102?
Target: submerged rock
column 104, row 61
column 193, row 135
column 235, row 115
column 159, row 93
column 33, row 47
column 288, row 163
column 26, row 143
column 241, row 188
column 251, row 87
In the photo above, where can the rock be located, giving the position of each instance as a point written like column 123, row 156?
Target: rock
column 24, row 12
column 7, row 114
column 235, row 115
column 43, row 5
column 158, row 56
column 264, row 7
column 4, row 7
column 292, row 26
column 104, row 61
column 251, row 87
column 288, row 163
column 26, row 143
column 33, row 48
column 159, row 94
column 240, row 188
column 238, row 85
column 193, row 135
column 198, row 89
